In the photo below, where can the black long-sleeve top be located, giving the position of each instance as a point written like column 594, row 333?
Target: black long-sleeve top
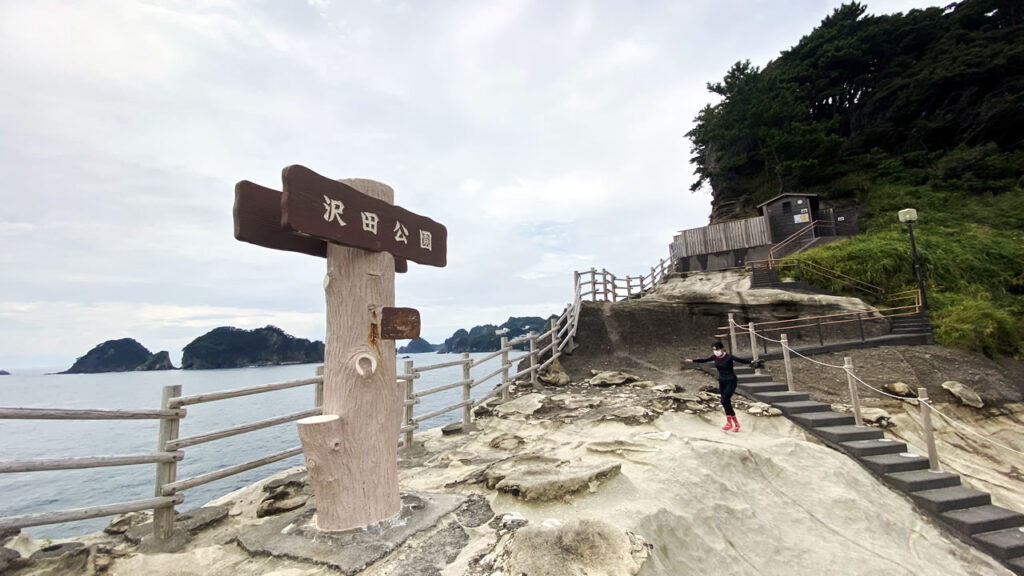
column 724, row 364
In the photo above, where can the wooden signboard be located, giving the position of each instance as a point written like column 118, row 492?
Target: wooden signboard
column 335, row 212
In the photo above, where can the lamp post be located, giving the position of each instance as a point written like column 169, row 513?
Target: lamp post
column 909, row 216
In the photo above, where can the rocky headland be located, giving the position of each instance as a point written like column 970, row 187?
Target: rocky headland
column 617, row 465
column 124, row 355
column 230, row 347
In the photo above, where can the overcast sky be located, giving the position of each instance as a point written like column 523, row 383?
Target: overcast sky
column 547, row 136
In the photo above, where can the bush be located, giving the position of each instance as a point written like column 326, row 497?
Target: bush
column 974, row 322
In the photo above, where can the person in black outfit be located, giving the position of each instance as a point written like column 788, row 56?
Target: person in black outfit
column 726, row 381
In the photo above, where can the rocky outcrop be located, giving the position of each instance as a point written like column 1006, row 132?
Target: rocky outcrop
column 121, row 355
column 159, row 361
column 586, row 546
column 966, row 396
column 418, row 346
column 4, row 373
column 229, row 347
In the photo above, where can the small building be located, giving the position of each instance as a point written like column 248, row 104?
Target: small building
column 788, row 223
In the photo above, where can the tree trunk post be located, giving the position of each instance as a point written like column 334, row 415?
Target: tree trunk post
column 357, row 452
column 166, row 472
column 504, row 368
column 318, row 390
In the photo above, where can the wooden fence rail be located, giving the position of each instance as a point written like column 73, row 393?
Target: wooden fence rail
column 603, row 286
column 171, row 448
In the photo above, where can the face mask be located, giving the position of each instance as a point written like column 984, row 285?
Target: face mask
column 719, row 353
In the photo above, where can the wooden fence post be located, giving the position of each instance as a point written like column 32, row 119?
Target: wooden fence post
column 410, row 379
column 593, row 284
column 467, row 385
column 788, row 363
column 753, row 342
column 732, row 334
column 166, row 472
column 554, row 338
column 854, row 396
column 318, row 389
column 604, row 284
column 929, row 433
column 533, row 360
column 504, row 368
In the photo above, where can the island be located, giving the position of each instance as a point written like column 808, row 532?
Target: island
column 418, row 346
column 487, row 338
column 123, row 355
column 230, row 347
column 4, row 373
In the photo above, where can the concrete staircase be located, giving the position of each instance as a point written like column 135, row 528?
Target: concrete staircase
column 965, row 512
column 917, row 325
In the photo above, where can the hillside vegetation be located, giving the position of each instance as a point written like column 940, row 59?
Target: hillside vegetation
column 920, row 110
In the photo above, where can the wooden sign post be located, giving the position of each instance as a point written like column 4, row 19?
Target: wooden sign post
column 351, row 450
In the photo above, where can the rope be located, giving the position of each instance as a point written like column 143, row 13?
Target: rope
column 882, row 392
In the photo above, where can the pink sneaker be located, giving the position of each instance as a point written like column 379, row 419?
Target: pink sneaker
column 735, row 424
column 728, row 423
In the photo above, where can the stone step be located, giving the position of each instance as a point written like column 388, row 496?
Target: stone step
column 858, row 448
column 748, row 378
column 1016, row 566
column 847, row 433
column 822, row 419
column 897, row 462
column 781, row 396
column 1003, row 544
column 917, row 480
column 942, row 500
column 801, row 406
column 971, row 521
column 759, row 387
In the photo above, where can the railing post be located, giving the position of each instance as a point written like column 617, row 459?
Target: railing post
column 533, row 359
column 166, row 472
column 786, row 360
column 467, row 384
column 410, row 379
column 732, row 334
column 753, row 341
column 554, row 338
column 604, row 283
column 821, row 336
column 860, row 324
column 593, row 284
column 854, row 397
column 504, row 368
column 929, row 434
column 653, row 281
column 629, row 287
column 318, row 389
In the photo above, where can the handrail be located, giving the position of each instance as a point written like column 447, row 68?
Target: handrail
column 597, row 285
column 237, row 392
column 777, row 248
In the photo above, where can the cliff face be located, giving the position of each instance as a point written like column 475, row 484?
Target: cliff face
column 229, row 347
column 111, row 356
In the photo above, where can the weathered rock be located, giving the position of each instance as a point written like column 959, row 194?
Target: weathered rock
column 476, row 511
column 523, row 406
column 643, row 384
column 284, row 495
column 8, row 533
column 63, row 558
column 538, row 477
column 967, row 396
column 486, row 407
column 184, row 524
column 876, row 416
column 277, row 506
column 611, row 378
column 591, row 547
column 620, row 446
column 898, row 388
column 9, row 560
column 506, row 442
column 632, row 415
column 122, row 523
column 553, row 375
column 453, row 428
column 574, row 401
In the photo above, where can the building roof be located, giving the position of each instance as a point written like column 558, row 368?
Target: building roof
column 787, row 194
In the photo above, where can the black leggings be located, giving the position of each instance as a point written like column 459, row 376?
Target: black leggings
column 727, row 388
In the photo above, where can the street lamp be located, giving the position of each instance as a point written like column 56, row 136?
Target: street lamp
column 909, row 216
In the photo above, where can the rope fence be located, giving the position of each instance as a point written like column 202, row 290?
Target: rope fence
column 922, row 400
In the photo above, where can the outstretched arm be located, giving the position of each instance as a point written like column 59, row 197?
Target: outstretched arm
column 700, row 360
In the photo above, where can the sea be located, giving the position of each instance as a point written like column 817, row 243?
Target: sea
column 34, row 492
